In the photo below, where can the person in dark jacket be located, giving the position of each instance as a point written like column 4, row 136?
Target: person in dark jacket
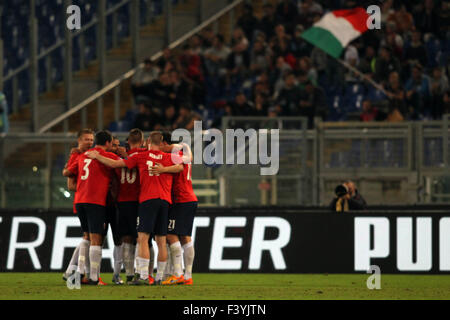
column 347, row 198
column 354, row 194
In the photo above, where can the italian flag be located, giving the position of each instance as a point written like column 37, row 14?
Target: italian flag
column 337, row 29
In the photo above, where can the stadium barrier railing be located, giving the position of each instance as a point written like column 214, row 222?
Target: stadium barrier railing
column 403, row 163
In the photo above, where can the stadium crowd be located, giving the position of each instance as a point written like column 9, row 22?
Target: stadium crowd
column 267, row 69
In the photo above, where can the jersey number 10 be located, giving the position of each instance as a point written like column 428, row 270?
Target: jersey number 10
column 128, row 176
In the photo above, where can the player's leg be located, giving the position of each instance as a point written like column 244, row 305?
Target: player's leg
column 96, row 215
column 143, row 258
column 168, row 270
column 161, row 241
column 85, row 243
column 112, row 218
column 147, row 216
column 151, row 265
column 175, row 224
column 189, row 211
column 162, row 258
column 188, row 257
column 127, row 230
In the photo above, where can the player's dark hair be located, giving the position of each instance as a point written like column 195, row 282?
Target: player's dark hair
column 156, row 137
column 167, row 137
column 135, row 136
column 85, row 131
column 102, row 137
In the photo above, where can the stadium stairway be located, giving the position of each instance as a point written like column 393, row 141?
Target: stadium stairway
column 119, row 61
column 85, row 83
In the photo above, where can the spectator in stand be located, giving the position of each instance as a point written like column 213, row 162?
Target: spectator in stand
column 396, row 95
column 262, row 85
column 446, row 102
column 439, row 86
column 415, row 53
column 169, row 119
column 180, row 89
column 288, row 100
column 367, row 63
column 239, row 39
column 308, row 9
column 278, row 74
column 305, row 67
column 351, row 57
column 238, row 61
column 195, row 45
column 444, row 21
column 186, row 118
column 191, row 64
column 207, row 38
column 319, row 60
column 369, row 112
column 385, row 64
column 269, row 21
column 141, row 83
column 393, row 40
column 312, row 103
column 426, row 19
column 242, row 107
column 280, row 36
column 167, row 60
column 298, row 46
column 287, row 13
column 260, row 105
column 192, row 72
column 4, row 124
column 260, row 57
column 403, row 19
column 417, row 92
column 146, row 120
column 216, row 56
column 162, row 93
column 247, row 21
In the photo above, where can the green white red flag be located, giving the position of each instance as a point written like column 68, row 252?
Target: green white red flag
column 336, row 29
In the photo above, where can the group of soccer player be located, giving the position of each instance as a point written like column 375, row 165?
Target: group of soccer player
column 143, row 192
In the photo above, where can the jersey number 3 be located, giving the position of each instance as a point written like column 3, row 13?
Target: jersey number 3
column 86, row 169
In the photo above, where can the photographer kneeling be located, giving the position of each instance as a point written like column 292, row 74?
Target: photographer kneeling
column 345, row 199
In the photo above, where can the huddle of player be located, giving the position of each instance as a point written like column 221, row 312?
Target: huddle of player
column 142, row 192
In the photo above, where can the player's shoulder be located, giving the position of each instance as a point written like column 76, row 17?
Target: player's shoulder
column 173, row 157
column 108, row 154
column 136, row 152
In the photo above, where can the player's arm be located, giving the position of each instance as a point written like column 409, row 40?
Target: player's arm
column 187, row 153
column 159, row 168
column 71, row 184
column 106, row 161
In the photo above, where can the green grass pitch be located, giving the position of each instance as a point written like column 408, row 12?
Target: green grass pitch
column 212, row 286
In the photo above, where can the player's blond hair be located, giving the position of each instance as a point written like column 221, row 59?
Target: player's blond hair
column 156, row 138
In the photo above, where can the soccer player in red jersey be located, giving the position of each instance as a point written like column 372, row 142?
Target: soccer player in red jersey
column 112, row 218
column 93, row 185
column 154, row 199
column 85, row 141
column 181, row 217
column 128, row 202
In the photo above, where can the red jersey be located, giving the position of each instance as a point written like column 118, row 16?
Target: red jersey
column 182, row 190
column 73, row 158
column 153, row 186
column 93, row 178
column 129, row 185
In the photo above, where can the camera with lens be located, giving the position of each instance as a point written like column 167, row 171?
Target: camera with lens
column 341, row 190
